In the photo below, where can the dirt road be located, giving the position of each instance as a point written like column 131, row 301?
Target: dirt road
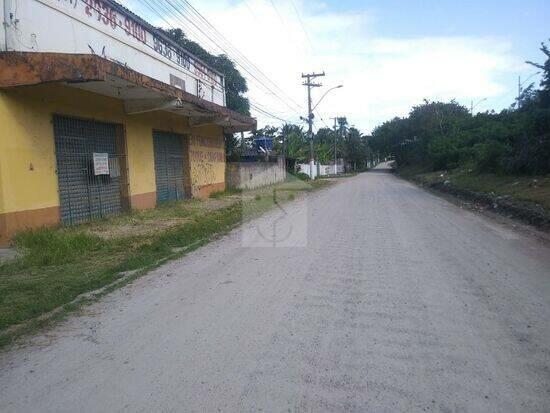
column 377, row 296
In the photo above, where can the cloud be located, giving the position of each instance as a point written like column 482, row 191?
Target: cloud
column 383, row 77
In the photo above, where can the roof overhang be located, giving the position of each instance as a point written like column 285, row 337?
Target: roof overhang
column 139, row 92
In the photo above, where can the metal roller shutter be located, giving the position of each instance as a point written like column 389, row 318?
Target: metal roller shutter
column 83, row 193
column 169, row 166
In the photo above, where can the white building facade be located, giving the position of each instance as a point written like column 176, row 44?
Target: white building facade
column 106, row 29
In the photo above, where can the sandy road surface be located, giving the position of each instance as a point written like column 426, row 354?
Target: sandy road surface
column 400, row 301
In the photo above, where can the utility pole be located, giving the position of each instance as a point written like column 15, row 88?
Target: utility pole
column 283, row 133
column 520, row 87
column 308, row 82
column 335, row 143
column 519, row 92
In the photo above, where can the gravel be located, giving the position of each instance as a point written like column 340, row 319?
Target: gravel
column 400, row 301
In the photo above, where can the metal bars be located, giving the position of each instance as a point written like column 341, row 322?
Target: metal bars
column 169, row 166
column 84, row 194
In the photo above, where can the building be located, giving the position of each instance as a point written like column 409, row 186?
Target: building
column 101, row 113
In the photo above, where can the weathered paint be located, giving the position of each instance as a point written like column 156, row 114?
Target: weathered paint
column 249, row 175
column 28, row 180
column 25, row 69
column 207, row 161
column 103, row 28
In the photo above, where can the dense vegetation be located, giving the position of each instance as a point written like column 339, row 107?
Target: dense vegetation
column 434, row 136
column 350, row 143
column 445, row 135
column 292, row 141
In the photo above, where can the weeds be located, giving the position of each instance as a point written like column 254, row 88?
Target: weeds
column 228, row 191
column 57, row 265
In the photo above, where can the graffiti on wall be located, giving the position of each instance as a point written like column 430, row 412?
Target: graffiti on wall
column 207, row 158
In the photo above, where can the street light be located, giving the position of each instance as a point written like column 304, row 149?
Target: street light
column 310, row 119
column 472, row 106
column 326, row 93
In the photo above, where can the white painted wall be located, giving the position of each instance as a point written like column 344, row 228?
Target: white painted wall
column 323, row 169
column 2, row 29
column 99, row 27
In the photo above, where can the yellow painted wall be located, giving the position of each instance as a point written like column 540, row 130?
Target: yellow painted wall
column 27, row 158
column 207, row 160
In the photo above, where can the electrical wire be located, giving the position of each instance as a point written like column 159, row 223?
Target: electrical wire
column 301, row 24
column 260, row 108
column 178, row 11
column 164, row 8
column 240, row 58
column 220, row 35
column 277, row 12
column 117, row 24
column 268, row 114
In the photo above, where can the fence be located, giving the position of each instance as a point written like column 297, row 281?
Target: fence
column 321, row 170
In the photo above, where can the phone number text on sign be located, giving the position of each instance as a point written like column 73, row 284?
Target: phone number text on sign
column 109, row 17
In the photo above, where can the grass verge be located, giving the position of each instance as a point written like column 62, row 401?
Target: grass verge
column 526, row 198
column 55, row 266
column 534, row 189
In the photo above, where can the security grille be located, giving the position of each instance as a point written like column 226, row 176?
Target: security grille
column 169, row 166
column 91, row 169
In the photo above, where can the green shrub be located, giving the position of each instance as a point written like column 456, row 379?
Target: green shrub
column 489, row 155
column 302, row 176
column 53, row 246
column 443, row 153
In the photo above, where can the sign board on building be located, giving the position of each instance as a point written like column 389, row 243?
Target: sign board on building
column 105, row 28
column 101, row 163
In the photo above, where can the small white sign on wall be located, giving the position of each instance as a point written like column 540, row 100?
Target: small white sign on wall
column 101, row 163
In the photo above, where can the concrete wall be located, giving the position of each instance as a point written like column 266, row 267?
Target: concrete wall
column 324, row 170
column 28, row 181
column 207, row 160
column 248, row 175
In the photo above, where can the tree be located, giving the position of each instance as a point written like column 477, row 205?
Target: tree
column 235, row 83
column 356, row 150
column 545, row 82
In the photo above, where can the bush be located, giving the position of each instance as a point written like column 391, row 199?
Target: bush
column 489, row 156
column 443, row 153
column 302, row 176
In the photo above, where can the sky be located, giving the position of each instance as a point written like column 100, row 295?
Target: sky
column 389, row 55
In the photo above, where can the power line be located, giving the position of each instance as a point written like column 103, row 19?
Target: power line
column 246, row 60
column 100, row 13
column 301, row 24
column 277, row 11
column 322, row 120
column 164, row 9
column 268, row 114
column 310, row 84
column 239, row 58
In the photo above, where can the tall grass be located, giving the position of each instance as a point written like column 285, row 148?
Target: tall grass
column 56, row 265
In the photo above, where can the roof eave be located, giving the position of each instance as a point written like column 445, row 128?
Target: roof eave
column 32, row 68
